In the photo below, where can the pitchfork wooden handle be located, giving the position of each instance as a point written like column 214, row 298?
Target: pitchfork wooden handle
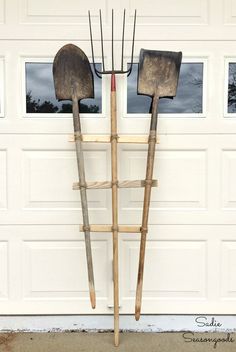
column 114, row 137
column 146, row 204
column 84, row 202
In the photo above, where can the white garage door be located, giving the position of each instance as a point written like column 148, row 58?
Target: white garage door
column 191, row 250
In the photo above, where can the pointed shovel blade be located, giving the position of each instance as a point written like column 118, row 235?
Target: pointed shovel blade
column 72, row 74
column 158, row 73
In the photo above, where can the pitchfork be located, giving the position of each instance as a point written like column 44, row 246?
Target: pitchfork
column 114, row 141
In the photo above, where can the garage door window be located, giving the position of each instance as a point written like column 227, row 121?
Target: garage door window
column 188, row 102
column 231, row 88
column 40, row 96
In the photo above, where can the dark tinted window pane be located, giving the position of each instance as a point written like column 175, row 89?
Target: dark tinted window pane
column 232, row 88
column 188, row 98
column 40, row 94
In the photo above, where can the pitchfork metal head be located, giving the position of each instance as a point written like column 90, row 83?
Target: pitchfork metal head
column 112, row 71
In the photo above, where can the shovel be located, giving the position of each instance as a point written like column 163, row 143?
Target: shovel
column 158, row 78
column 73, row 80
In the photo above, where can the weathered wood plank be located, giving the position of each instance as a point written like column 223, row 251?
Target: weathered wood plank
column 108, row 184
column 136, row 184
column 93, row 185
column 108, row 228
column 99, row 138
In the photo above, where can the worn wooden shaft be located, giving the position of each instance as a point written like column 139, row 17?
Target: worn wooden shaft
column 106, row 138
column 84, row 202
column 114, row 207
column 108, row 184
column 108, row 228
column 146, row 204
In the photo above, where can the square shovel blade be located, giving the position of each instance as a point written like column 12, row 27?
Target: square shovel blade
column 158, row 73
column 72, row 74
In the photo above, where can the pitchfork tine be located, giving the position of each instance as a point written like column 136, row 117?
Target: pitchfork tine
column 123, row 36
column 103, row 61
column 91, row 38
column 132, row 51
column 112, row 39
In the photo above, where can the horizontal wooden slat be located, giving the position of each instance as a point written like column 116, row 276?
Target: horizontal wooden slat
column 93, row 185
column 108, row 184
column 135, row 184
column 108, row 228
column 92, row 138
column 138, row 139
column 135, row 139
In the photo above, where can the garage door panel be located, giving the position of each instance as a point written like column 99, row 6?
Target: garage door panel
column 174, row 269
column 57, row 269
column 185, row 270
column 182, row 12
column 229, row 12
column 228, row 277
column 3, row 179
column 37, row 177
column 49, row 176
column 60, row 12
column 47, row 271
column 181, row 178
column 2, row 11
column 193, row 52
column 228, row 179
column 4, row 270
column 182, row 22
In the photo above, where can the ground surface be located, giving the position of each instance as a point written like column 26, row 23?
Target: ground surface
column 102, row 342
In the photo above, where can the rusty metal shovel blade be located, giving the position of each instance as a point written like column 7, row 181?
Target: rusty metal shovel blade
column 158, row 73
column 72, row 74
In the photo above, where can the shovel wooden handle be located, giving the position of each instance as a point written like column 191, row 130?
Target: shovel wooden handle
column 114, row 207
column 146, row 204
column 84, row 202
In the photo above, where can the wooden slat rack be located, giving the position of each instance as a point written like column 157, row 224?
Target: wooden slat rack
column 108, row 228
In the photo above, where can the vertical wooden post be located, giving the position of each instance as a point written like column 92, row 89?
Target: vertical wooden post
column 114, row 207
column 84, row 202
column 146, row 203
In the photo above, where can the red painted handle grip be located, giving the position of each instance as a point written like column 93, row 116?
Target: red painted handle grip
column 113, row 82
